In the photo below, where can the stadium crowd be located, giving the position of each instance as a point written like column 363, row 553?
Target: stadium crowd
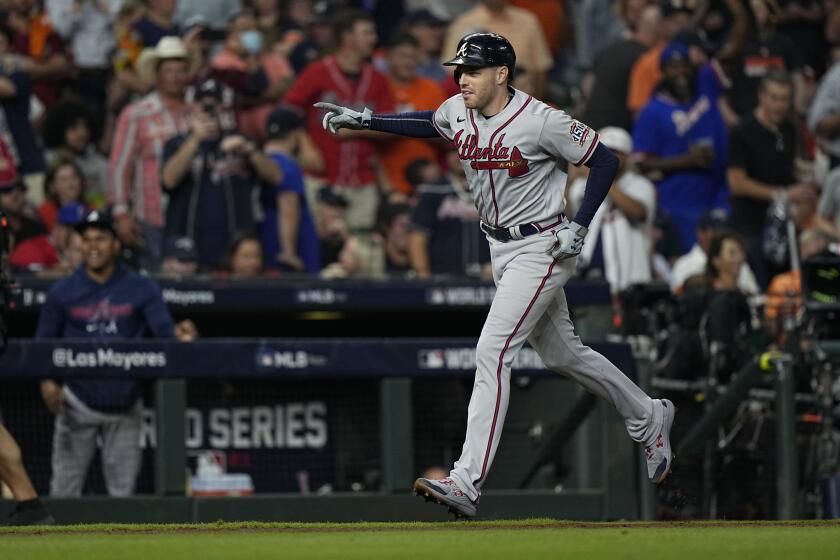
column 191, row 124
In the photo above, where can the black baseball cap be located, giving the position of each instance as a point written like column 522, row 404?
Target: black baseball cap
column 281, row 121
column 96, row 219
column 181, row 248
column 713, row 219
column 329, row 197
column 208, row 88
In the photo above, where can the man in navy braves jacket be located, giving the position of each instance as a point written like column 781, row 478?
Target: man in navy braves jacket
column 104, row 301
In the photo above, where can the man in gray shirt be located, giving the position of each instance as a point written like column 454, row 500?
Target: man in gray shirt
column 828, row 211
column 824, row 117
column 215, row 13
column 88, row 28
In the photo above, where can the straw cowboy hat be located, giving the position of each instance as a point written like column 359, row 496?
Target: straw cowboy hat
column 170, row 47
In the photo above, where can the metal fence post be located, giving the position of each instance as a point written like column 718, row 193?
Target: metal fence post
column 396, row 434
column 170, row 453
column 786, row 476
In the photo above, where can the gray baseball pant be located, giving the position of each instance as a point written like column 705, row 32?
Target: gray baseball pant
column 77, row 429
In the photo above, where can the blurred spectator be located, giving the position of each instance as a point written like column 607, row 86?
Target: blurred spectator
column 726, row 259
column 202, row 43
column 828, row 217
column 317, row 38
column 103, row 301
column 210, row 175
column 645, row 73
column 64, row 184
column 15, row 92
column 764, row 50
column 331, row 224
column 824, row 116
column 428, row 30
column 445, row 237
column 258, row 76
column 394, row 221
column 245, row 257
column 694, row 262
column 358, row 258
column 619, row 245
column 142, row 129
column 728, row 315
column 606, row 103
column 551, row 15
column 180, row 258
column 88, row 28
column 288, row 231
column 667, row 246
column 784, row 296
column 146, row 28
column 412, row 93
column 799, row 207
column 520, row 27
column 68, row 133
column 22, row 222
column 46, row 57
column 215, row 13
column 127, row 54
column 347, row 78
column 52, row 253
column 597, row 26
column 802, row 22
column 277, row 33
column 157, row 22
column 762, row 150
column 681, row 141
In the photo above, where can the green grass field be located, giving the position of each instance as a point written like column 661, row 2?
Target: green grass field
column 533, row 539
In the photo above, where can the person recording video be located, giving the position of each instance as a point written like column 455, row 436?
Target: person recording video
column 210, row 175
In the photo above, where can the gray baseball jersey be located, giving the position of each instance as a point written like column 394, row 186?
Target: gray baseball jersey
column 511, row 164
column 524, row 140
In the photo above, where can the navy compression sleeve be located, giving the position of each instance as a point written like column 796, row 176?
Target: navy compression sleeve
column 417, row 124
column 603, row 166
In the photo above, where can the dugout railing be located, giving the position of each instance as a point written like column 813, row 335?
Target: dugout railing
column 604, row 457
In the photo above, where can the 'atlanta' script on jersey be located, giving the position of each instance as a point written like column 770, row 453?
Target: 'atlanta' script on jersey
column 497, row 156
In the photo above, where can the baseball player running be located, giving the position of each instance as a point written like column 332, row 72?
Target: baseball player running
column 509, row 144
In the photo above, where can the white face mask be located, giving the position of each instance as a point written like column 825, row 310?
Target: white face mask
column 252, row 41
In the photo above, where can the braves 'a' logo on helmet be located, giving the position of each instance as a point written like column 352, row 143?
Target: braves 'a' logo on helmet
column 463, row 50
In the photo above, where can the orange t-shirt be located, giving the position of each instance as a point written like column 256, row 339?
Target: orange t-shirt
column 419, row 95
column 643, row 78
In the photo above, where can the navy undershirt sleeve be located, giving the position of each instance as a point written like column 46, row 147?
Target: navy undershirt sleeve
column 417, row 124
column 603, row 166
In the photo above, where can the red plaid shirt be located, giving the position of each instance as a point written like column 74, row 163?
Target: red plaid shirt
column 134, row 171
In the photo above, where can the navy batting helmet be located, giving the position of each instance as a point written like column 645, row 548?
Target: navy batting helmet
column 481, row 50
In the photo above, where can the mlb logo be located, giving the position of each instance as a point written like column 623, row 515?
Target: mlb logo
column 265, row 359
column 430, row 359
column 579, row 132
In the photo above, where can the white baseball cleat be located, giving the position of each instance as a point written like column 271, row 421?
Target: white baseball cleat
column 446, row 493
column 660, row 459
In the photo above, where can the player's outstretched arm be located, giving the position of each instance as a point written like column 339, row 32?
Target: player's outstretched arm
column 417, row 124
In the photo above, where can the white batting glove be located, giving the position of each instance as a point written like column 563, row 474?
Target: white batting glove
column 568, row 242
column 342, row 117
